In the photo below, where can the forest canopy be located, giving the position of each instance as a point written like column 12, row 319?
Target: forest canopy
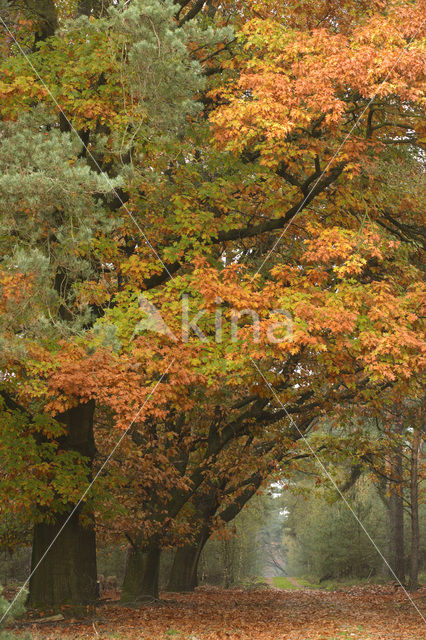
column 211, row 274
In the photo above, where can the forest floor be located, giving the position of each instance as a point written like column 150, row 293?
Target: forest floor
column 355, row 613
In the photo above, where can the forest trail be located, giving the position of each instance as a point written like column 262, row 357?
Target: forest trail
column 270, row 582
column 356, row 613
column 294, row 582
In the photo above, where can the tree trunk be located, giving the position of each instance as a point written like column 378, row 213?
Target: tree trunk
column 141, row 577
column 228, row 550
column 45, row 14
column 389, row 544
column 397, row 533
column 397, row 511
column 184, row 571
column 66, row 576
column 383, row 491
column 414, row 499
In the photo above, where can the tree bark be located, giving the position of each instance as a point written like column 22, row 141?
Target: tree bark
column 228, row 551
column 141, row 576
column 66, row 576
column 184, row 572
column 414, row 500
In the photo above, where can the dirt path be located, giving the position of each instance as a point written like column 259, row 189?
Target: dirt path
column 295, row 582
column 270, row 582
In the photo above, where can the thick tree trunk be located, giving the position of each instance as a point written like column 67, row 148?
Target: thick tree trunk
column 66, row 576
column 184, row 571
column 141, row 577
column 414, row 499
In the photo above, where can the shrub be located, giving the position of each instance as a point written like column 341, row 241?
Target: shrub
column 18, row 608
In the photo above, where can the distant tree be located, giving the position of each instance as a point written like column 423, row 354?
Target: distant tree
column 325, row 540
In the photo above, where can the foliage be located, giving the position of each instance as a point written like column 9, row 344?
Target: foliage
column 324, row 540
column 154, row 173
column 360, row 613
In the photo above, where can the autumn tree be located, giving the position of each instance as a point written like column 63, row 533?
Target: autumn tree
column 262, row 146
column 204, row 478
column 61, row 201
column 271, row 142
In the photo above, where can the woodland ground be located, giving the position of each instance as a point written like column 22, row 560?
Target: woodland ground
column 353, row 613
